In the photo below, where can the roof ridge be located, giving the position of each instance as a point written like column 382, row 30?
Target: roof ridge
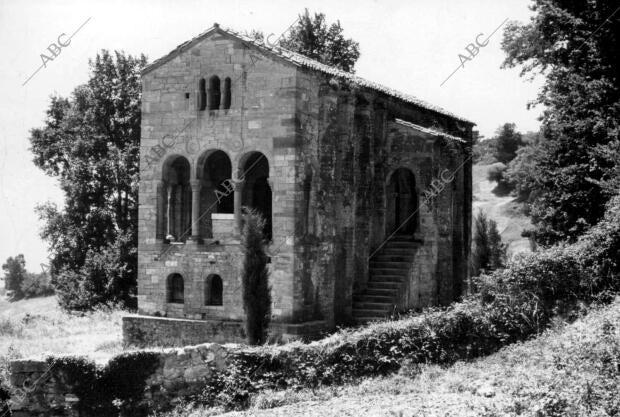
column 304, row 61
column 429, row 130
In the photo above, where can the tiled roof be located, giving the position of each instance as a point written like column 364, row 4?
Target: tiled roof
column 304, row 61
column 429, row 131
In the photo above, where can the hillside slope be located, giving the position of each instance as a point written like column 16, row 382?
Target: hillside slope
column 37, row 326
column 572, row 369
column 504, row 210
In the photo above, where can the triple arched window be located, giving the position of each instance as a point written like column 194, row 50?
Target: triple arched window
column 211, row 97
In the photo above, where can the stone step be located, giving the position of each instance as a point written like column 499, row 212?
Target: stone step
column 384, row 285
column 388, row 271
column 392, row 258
column 401, row 238
column 389, row 264
column 366, row 312
column 369, row 305
column 407, row 245
column 381, row 292
column 397, row 252
column 373, row 298
column 386, row 278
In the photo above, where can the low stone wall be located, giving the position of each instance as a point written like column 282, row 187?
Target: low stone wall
column 145, row 331
column 50, row 388
column 148, row 331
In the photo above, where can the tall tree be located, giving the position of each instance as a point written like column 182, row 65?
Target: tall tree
column 90, row 142
column 488, row 251
column 255, row 278
column 312, row 37
column 575, row 45
column 507, row 143
column 14, row 274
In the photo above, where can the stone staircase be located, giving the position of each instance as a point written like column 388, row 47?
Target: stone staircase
column 388, row 271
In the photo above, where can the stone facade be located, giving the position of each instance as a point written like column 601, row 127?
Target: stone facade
column 339, row 167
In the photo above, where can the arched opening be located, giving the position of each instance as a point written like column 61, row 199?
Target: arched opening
column 175, row 288
column 217, row 195
column 402, row 203
column 202, row 94
column 177, row 202
column 214, row 289
column 214, row 93
column 227, row 93
column 256, row 188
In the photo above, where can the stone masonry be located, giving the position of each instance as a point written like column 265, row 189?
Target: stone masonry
column 366, row 192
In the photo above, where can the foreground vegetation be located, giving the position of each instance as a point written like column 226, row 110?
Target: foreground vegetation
column 572, row 369
column 508, row 306
column 38, row 326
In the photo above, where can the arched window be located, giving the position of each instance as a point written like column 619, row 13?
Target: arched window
column 213, row 290
column 177, row 201
column 175, row 288
column 202, row 94
column 256, row 190
column 214, row 169
column 227, row 93
column 214, row 93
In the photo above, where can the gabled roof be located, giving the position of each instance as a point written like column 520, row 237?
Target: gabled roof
column 428, row 130
column 305, row 62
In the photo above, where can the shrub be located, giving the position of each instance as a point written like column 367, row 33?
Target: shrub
column 36, row 285
column 508, row 142
column 5, row 395
column 488, row 251
column 484, row 151
column 255, row 284
column 117, row 389
column 14, row 272
column 108, row 275
column 498, row 173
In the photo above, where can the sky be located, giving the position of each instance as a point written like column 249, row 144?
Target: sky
column 410, row 45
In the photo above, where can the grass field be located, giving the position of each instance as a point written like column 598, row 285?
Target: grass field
column 37, row 326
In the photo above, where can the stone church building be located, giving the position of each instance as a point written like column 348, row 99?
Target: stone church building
column 366, row 193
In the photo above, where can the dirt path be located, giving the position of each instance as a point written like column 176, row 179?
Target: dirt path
column 510, row 221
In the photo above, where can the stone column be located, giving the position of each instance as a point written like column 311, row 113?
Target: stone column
column 169, row 190
column 196, row 185
column 239, row 184
column 160, row 232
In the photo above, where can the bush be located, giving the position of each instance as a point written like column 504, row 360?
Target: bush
column 36, row 285
column 14, row 272
column 255, row 278
column 497, row 173
column 488, row 251
column 484, row 151
column 117, row 389
column 108, row 275
column 508, row 141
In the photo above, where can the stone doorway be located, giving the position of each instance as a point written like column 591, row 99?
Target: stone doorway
column 402, row 203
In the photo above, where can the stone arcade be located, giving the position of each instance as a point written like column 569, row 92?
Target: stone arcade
column 340, row 167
